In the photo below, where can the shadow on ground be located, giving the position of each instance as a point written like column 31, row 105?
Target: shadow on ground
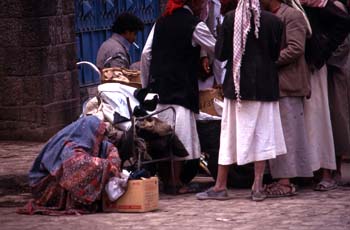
column 14, row 190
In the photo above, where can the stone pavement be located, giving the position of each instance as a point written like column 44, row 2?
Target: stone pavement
column 307, row 210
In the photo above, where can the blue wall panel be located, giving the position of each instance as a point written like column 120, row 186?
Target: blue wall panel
column 93, row 20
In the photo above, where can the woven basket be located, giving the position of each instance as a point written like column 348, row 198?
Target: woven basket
column 122, row 75
column 206, row 100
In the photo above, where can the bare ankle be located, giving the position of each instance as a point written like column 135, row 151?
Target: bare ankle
column 219, row 188
column 284, row 181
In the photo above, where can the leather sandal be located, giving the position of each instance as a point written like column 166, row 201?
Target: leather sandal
column 276, row 190
column 326, row 186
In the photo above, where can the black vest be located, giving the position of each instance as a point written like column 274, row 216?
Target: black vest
column 259, row 77
column 175, row 61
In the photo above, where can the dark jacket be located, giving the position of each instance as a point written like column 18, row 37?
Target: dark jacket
column 330, row 26
column 113, row 49
column 259, row 78
column 175, row 61
column 293, row 71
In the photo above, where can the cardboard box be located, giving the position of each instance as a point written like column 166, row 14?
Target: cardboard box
column 141, row 196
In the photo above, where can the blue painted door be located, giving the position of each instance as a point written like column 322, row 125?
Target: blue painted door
column 93, row 20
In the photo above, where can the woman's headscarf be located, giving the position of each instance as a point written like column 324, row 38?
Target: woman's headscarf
column 296, row 4
column 173, row 5
column 242, row 25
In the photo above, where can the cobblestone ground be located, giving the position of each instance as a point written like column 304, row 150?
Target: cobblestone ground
column 307, row 210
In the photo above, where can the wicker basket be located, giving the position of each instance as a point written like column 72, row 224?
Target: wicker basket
column 122, row 75
column 206, row 100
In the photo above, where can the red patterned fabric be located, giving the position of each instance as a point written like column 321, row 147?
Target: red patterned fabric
column 173, row 5
column 76, row 187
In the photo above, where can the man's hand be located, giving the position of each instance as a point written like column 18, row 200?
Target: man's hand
column 205, row 65
column 115, row 171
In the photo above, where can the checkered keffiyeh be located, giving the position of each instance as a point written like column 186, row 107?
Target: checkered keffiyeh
column 242, row 25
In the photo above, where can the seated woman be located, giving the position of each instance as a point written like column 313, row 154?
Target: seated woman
column 71, row 171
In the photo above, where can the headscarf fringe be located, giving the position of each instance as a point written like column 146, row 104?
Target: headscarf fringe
column 242, row 25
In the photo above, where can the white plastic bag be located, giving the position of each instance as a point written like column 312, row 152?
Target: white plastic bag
column 116, row 187
column 115, row 95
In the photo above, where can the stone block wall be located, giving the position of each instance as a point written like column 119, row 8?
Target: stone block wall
column 39, row 89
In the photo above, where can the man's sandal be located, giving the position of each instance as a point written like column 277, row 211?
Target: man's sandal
column 326, row 186
column 190, row 188
column 276, row 190
column 211, row 194
column 258, row 196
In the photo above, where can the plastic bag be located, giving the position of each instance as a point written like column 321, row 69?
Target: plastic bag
column 116, row 187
